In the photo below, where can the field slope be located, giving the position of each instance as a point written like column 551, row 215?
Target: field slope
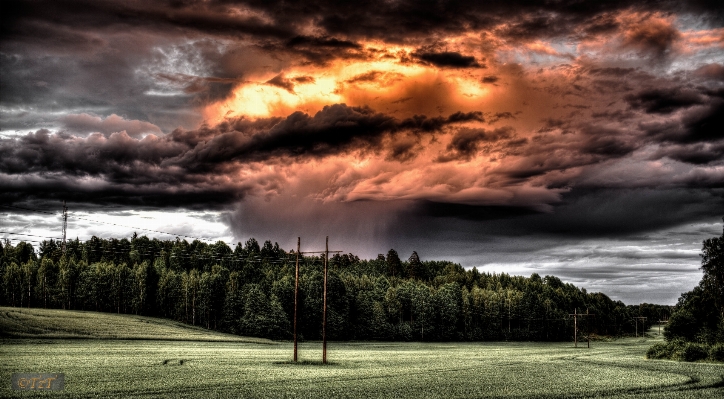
column 129, row 356
column 71, row 324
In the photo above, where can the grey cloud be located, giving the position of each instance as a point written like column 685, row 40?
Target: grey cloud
column 84, row 124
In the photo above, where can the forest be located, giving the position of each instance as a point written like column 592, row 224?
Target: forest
column 696, row 328
column 249, row 290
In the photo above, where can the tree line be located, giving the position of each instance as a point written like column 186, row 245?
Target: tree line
column 696, row 328
column 249, row 290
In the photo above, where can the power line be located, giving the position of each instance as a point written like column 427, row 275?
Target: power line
column 29, row 235
column 140, row 228
column 28, row 209
column 66, row 215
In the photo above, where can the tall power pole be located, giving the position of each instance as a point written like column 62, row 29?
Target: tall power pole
column 65, row 224
column 324, row 312
column 324, row 309
column 296, row 297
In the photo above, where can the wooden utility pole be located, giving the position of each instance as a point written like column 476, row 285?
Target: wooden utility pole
column 576, row 315
column 296, row 297
column 324, row 312
column 324, row 309
column 643, row 319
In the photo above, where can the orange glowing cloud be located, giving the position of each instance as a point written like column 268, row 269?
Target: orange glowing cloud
column 388, row 81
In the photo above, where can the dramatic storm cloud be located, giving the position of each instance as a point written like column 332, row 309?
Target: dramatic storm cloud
column 579, row 139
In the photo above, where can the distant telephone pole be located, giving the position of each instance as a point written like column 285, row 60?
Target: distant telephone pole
column 65, row 225
column 643, row 324
column 576, row 315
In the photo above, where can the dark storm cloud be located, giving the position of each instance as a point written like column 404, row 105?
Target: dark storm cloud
column 705, row 124
column 500, row 115
column 288, row 84
column 698, row 124
column 584, row 144
column 280, row 81
column 339, row 21
column 336, row 129
column 465, row 144
column 587, row 213
column 137, row 197
column 612, row 71
column 318, row 50
column 536, row 24
column 324, row 42
column 606, row 142
column 447, row 59
column 697, row 153
column 192, row 160
column 199, row 16
column 490, row 79
column 664, row 101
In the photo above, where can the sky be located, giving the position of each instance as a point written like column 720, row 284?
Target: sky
column 580, row 139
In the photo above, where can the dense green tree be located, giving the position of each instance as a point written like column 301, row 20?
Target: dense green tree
column 262, row 317
column 682, row 325
column 394, row 264
column 46, row 284
column 67, row 282
column 29, row 271
column 190, row 286
column 233, row 303
column 13, row 283
column 170, row 296
column 414, row 266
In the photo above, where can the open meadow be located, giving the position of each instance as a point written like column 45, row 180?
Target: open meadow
column 136, row 366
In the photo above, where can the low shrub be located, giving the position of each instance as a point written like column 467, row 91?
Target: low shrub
column 692, row 352
column 659, row 351
column 716, row 353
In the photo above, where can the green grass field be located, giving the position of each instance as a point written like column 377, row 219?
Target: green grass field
column 129, row 364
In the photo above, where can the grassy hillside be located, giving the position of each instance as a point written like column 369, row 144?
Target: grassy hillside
column 54, row 323
column 184, row 369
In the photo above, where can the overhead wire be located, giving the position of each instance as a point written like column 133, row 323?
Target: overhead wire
column 113, row 224
column 124, row 250
column 29, row 235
